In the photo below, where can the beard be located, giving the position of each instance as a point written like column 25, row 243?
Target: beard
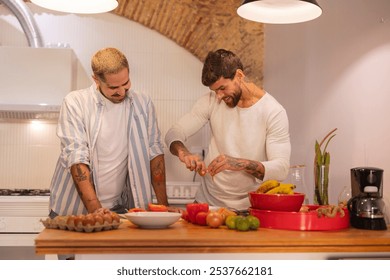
column 232, row 100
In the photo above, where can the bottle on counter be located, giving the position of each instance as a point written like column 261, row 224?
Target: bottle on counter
column 297, row 177
column 344, row 196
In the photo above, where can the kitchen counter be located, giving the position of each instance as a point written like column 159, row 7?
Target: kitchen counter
column 185, row 238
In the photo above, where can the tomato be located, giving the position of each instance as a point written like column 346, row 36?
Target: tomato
column 184, row 215
column 157, row 207
column 201, row 218
column 195, row 208
column 136, row 210
column 214, row 219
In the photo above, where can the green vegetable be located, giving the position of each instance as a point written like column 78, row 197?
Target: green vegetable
column 321, row 170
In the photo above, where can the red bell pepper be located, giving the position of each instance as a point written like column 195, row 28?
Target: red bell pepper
column 184, row 215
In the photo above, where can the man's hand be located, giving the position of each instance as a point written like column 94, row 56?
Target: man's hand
column 193, row 162
column 224, row 162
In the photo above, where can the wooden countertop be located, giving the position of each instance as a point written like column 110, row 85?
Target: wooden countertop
column 183, row 237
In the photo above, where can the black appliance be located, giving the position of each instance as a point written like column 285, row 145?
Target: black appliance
column 366, row 205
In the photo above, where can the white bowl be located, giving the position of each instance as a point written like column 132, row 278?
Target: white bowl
column 153, row 219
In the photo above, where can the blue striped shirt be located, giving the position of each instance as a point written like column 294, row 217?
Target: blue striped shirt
column 78, row 127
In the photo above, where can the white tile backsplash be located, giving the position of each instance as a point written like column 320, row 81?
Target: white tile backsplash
column 28, row 153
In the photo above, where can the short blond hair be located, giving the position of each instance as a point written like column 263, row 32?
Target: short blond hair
column 108, row 61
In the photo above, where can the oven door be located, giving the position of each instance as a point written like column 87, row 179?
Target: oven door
column 20, row 223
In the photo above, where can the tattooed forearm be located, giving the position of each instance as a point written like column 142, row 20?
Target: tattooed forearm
column 252, row 166
column 255, row 169
column 80, row 174
column 236, row 163
column 177, row 148
column 158, row 170
column 82, row 178
column 157, row 166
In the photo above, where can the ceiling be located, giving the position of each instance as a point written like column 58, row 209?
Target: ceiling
column 200, row 26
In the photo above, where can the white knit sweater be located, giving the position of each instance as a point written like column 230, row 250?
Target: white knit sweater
column 260, row 133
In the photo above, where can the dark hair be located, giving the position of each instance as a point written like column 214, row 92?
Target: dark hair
column 221, row 63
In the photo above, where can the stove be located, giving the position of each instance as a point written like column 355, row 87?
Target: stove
column 22, row 209
column 24, row 192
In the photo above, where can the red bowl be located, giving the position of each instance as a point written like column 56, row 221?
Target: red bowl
column 277, row 202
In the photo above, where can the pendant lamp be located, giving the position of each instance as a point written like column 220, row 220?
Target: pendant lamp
column 279, row 11
column 78, row 6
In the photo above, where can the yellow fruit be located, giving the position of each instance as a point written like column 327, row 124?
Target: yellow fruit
column 282, row 189
column 267, row 186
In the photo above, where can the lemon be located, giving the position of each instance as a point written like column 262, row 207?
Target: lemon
column 230, row 221
column 242, row 224
column 254, row 222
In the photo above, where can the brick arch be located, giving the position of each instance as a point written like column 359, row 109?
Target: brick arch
column 202, row 25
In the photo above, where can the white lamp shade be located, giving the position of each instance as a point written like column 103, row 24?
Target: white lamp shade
column 78, row 6
column 279, row 11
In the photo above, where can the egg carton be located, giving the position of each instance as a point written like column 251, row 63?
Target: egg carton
column 181, row 190
column 60, row 223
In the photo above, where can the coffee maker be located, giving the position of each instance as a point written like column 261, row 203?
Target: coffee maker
column 366, row 205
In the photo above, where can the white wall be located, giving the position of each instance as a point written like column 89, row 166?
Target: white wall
column 334, row 72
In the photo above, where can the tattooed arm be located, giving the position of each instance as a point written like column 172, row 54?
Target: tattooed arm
column 157, row 167
column 83, row 180
column 224, row 162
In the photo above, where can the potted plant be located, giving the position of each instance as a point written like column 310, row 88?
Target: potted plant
column 321, row 170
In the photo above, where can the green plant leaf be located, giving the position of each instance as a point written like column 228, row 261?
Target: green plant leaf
column 327, row 142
